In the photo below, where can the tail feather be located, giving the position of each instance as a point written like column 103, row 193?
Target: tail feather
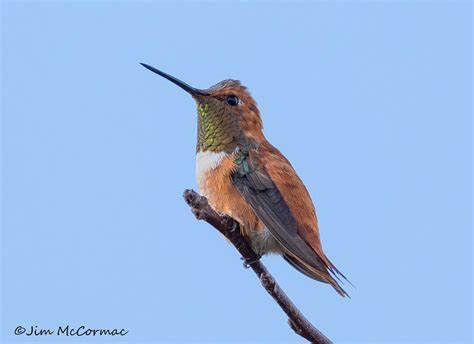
column 302, row 268
column 336, row 273
column 318, row 275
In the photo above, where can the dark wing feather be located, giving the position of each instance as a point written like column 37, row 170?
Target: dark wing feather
column 302, row 268
column 258, row 189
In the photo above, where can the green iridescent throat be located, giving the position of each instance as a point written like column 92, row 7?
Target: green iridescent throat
column 218, row 128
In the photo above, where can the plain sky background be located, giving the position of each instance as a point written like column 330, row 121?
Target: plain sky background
column 370, row 101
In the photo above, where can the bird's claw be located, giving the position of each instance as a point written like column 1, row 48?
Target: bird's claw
column 248, row 262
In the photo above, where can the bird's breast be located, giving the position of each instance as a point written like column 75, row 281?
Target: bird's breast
column 213, row 174
column 206, row 163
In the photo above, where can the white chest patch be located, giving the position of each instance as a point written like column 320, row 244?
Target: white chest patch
column 205, row 162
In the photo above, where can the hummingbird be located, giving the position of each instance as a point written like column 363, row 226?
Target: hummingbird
column 243, row 176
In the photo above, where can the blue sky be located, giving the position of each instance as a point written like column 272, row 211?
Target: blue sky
column 370, row 101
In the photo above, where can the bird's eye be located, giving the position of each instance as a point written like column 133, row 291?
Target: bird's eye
column 232, row 100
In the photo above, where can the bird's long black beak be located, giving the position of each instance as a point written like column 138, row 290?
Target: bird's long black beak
column 191, row 90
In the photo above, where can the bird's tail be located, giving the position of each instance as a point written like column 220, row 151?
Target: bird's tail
column 325, row 276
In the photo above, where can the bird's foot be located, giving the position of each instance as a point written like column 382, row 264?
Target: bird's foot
column 248, row 262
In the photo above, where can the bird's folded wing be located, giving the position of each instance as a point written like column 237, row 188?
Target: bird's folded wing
column 259, row 190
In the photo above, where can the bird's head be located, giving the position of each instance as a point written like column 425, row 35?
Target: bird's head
column 227, row 114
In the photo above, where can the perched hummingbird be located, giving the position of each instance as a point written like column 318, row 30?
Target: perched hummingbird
column 244, row 176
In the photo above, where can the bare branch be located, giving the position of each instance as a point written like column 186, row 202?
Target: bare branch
column 230, row 229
